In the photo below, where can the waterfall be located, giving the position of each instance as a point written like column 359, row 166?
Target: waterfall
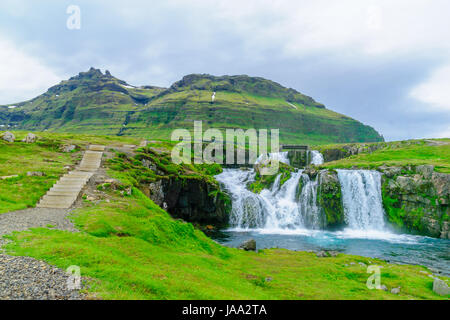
column 293, row 205
column 282, row 209
column 247, row 208
column 274, row 208
column 361, row 195
column 278, row 208
column 310, row 211
column 316, row 157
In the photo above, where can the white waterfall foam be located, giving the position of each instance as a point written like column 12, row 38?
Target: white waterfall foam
column 280, row 156
column 361, row 195
column 316, row 157
column 282, row 209
column 247, row 209
column 310, row 211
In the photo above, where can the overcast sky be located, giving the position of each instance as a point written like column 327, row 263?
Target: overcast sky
column 385, row 63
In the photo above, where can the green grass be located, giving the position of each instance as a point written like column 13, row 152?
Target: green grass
column 131, row 249
column 404, row 155
column 18, row 158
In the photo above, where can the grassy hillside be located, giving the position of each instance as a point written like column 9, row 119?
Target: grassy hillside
column 98, row 103
column 402, row 153
column 18, row 158
column 130, row 248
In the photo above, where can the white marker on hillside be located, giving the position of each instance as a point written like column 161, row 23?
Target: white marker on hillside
column 213, row 97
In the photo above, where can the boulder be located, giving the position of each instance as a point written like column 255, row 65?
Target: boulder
column 395, row 290
column 68, row 148
column 326, row 254
column 35, row 174
column 248, row 245
column 8, row 136
column 30, row 138
column 440, row 287
column 333, row 253
column 322, row 254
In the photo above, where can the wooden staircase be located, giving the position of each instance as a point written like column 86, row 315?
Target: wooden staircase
column 65, row 192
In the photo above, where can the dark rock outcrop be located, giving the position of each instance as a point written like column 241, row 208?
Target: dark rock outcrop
column 191, row 199
column 418, row 200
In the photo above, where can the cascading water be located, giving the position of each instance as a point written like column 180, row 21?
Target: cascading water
column 247, row 209
column 361, row 195
column 280, row 156
column 316, row 157
column 282, row 211
column 277, row 208
column 292, row 207
column 310, row 211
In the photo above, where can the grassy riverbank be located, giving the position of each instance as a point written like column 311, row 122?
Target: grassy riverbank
column 134, row 250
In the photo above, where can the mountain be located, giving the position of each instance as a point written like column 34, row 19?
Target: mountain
column 93, row 102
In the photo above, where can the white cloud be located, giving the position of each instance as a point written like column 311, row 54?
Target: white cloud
column 435, row 91
column 22, row 76
column 300, row 28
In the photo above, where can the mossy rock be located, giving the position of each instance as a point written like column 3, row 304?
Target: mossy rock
column 329, row 198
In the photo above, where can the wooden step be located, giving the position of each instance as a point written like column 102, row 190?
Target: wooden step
column 96, row 147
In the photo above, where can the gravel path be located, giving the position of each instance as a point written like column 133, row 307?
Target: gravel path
column 33, row 218
column 25, row 278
